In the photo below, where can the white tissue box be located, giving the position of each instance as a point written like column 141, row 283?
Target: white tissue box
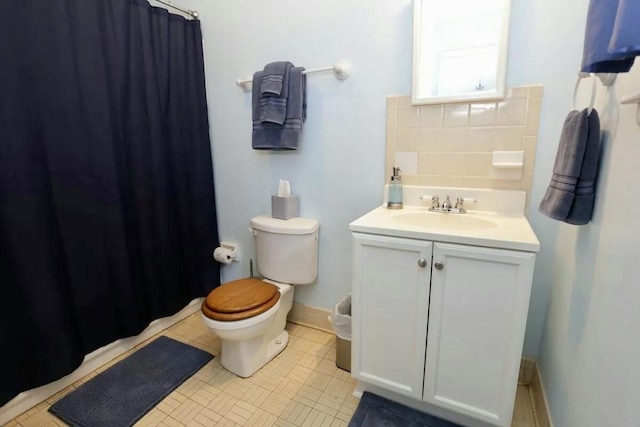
column 284, row 207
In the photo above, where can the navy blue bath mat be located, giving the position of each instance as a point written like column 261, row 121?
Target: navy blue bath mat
column 126, row 391
column 376, row 411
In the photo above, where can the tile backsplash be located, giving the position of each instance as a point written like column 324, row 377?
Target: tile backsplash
column 451, row 145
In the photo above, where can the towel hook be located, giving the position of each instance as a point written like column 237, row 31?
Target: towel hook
column 593, row 90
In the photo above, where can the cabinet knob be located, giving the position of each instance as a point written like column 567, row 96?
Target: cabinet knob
column 438, row 265
column 422, row 262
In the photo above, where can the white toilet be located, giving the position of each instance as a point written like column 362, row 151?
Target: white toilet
column 249, row 315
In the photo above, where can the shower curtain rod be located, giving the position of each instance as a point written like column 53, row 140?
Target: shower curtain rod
column 193, row 13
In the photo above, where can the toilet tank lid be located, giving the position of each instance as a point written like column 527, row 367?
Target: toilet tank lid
column 284, row 226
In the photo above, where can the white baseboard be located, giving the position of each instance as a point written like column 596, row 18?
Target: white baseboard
column 92, row 361
column 527, row 371
column 539, row 401
column 306, row 315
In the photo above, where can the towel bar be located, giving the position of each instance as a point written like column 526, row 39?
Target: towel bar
column 341, row 71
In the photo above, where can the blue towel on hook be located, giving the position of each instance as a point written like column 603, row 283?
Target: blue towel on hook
column 285, row 136
column 571, row 193
column 612, row 37
column 582, row 206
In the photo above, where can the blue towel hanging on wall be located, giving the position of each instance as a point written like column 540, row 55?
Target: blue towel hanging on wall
column 571, row 193
column 612, row 36
column 278, row 106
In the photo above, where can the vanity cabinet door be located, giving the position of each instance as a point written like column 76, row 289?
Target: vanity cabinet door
column 389, row 312
column 477, row 316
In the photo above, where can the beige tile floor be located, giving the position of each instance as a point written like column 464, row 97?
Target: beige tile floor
column 301, row 387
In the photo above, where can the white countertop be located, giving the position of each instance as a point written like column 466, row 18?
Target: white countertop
column 510, row 231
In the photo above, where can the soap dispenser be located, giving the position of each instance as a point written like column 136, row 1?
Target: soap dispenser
column 394, row 199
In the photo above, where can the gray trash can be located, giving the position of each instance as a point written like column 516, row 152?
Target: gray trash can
column 341, row 321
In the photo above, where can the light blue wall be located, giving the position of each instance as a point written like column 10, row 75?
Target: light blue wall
column 590, row 350
column 545, row 47
column 588, row 340
column 586, row 277
column 338, row 170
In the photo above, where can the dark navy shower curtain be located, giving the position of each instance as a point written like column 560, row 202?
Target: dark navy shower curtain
column 107, row 215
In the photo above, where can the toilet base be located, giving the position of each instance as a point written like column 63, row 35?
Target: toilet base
column 244, row 358
column 247, row 345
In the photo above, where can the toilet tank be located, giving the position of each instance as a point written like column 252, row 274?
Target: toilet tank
column 286, row 250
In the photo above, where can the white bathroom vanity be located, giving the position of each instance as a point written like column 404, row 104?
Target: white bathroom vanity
column 440, row 303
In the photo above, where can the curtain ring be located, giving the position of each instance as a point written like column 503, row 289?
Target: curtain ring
column 593, row 90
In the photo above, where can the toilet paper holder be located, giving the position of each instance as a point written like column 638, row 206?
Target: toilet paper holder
column 227, row 252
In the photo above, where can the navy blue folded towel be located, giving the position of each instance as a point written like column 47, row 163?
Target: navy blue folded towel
column 612, row 37
column 271, row 131
column 585, row 193
column 274, row 92
column 275, row 78
column 571, row 193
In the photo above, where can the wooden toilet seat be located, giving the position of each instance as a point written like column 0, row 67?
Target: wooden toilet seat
column 240, row 299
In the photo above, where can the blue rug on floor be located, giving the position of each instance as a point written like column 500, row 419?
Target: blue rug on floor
column 126, row 391
column 376, row 411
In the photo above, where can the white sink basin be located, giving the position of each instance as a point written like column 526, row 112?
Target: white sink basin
column 443, row 221
column 495, row 220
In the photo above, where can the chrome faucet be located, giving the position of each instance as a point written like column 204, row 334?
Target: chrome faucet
column 446, row 205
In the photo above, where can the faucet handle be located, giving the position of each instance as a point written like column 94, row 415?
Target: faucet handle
column 460, row 203
column 435, row 200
